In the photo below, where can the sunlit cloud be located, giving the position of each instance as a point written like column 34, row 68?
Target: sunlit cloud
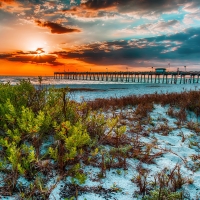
column 37, row 56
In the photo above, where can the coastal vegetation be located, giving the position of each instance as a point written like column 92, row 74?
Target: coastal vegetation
column 48, row 140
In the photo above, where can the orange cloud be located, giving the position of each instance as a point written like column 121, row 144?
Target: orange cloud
column 84, row 11
column 37, row 56
column 7, row 1
column 12, row 6
column 33, row 58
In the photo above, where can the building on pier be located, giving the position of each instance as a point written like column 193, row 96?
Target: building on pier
column 160, row 70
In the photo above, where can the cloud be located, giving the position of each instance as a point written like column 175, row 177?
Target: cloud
column 3, row 56
column 32, row 57
column 109, row 53
column 83, row 13
column 147, row 9
column 144, row 8
column 192, row 7
column 12, row 6
column 101, row 8
column 191, row 18
column 179, row 46
column 7, row 1
column 56, row 28
column 152, row 29
column 100, row 5
column 135, row 6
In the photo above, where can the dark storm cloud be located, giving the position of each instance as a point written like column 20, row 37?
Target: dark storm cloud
column 56, row 28
column 114, row 53
column 185, row 45
column 136, row 5
column 98, row 5
column 146, row 7
column 184, row 36
column 150, row 9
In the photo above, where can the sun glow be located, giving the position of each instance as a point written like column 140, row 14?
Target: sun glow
column 40, row 45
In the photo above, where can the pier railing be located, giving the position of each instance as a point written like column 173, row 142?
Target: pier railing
column 136, row 77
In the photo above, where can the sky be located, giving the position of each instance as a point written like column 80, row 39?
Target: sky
column 39, row 37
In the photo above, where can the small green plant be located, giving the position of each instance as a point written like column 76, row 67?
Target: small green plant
column 164, row 194
column 118, row 171
column 116, row 188
column 70, row 140
column 20, row 160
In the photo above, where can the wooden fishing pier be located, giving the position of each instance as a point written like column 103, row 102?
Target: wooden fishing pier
column 176, row 77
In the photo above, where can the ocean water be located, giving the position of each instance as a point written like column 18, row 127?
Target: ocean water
column 103, row 89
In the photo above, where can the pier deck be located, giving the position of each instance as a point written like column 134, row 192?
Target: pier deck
column 175, row 77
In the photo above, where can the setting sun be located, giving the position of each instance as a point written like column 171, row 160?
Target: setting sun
column 40, row 51
column 37, row 45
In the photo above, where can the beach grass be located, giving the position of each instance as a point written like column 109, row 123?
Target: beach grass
column 52, row 147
